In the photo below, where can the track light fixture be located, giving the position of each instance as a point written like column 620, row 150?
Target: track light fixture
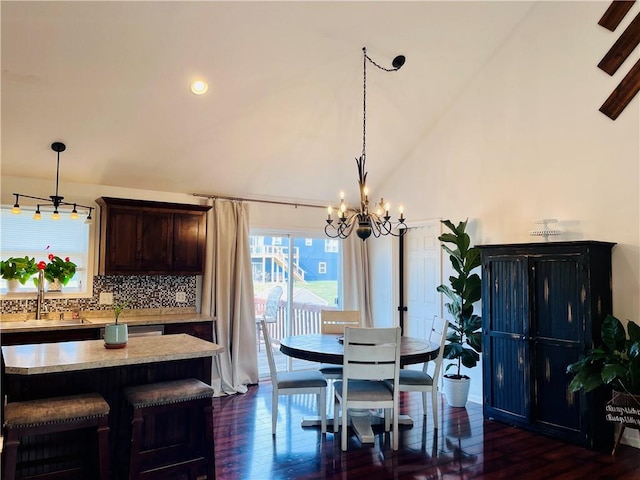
column 56, row 201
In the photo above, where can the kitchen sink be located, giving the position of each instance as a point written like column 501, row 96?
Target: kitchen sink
column 29, row 321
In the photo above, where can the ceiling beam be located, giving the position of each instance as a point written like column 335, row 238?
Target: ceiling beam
column 615, row 13
column 623, row 47
column 623, row 94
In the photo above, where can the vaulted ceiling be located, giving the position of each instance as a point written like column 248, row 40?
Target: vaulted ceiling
column 283, row 114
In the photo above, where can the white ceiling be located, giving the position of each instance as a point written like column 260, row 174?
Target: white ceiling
column 283, row 115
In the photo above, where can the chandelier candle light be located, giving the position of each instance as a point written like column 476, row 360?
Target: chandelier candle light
column 377, row 222
column 55, row 200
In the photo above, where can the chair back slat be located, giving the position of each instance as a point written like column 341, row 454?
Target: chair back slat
column 334, row 321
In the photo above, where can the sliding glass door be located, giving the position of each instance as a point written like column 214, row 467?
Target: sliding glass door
column 307, row 268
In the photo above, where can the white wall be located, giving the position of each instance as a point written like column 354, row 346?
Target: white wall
column 526, row 141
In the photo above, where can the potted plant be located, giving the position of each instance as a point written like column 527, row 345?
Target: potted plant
column 616, row 362
column 116, row 335
column 17, row 269
column 464, row 336
column 57, row 271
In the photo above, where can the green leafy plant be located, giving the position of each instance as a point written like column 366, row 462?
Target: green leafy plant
column 119, row 308
column 18, row 268
column 464, row 336
column 616, row 362
column 57, row 269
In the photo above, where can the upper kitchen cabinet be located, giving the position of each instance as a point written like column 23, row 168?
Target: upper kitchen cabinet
column 139, row 237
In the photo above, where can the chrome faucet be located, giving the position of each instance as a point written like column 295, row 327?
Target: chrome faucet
column 40, row 297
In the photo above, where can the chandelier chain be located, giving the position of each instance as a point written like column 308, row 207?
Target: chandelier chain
column 364, row 93
column 364, row 102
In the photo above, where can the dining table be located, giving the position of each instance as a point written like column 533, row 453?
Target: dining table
column 328, row 348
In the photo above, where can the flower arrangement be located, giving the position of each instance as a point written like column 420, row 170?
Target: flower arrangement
column 57, row 269
column 18, row 268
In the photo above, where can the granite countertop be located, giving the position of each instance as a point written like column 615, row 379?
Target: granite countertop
column 91, row 354
column 13, row 323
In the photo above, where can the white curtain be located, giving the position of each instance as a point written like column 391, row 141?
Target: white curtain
column 227, row 294
column 355, row 277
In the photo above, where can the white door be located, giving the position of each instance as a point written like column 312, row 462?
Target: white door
column 422, row 275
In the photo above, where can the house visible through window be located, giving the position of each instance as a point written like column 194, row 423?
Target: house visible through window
column 21, row 236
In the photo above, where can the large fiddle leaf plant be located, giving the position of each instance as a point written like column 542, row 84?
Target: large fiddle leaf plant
column 464, row 336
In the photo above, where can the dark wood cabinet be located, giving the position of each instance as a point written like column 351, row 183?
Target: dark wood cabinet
column 151, row 238
column 203, row 330
column 542, row 306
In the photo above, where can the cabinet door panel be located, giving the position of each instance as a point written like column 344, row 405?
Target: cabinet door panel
column 505, row 335
column 156, row 241
column 189, row 236
column 122, row 241
column 558, row 299
column 558, row 317
column 555, row 406
column 508, row 369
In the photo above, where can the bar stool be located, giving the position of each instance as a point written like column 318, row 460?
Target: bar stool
column 58, row 414
column 148, row 458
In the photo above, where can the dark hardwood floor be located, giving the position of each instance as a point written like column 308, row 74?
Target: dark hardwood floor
column 465, row 446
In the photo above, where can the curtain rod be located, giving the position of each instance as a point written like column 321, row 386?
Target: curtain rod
column 255, row 200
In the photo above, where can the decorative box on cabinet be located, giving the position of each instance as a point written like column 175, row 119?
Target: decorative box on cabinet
column 542, row 308
column 151, row 238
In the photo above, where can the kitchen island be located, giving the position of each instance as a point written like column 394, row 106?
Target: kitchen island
column 66, row 368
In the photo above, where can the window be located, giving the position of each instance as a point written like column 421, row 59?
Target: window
column 21, row 235
column 331, row 245
column 322, row 268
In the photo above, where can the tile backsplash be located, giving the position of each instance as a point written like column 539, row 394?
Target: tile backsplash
column 142, row 292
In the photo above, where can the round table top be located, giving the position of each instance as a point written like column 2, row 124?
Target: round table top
column 326, row 348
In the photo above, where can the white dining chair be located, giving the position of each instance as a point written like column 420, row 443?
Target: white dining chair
column 421, row 380
column 334, row 322
column 370, row 377
column 293, row 383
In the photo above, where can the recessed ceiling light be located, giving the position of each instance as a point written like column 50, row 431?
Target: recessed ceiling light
column 199, row 87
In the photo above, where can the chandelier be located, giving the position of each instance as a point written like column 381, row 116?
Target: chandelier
column 365, row 222
column 56, row 200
